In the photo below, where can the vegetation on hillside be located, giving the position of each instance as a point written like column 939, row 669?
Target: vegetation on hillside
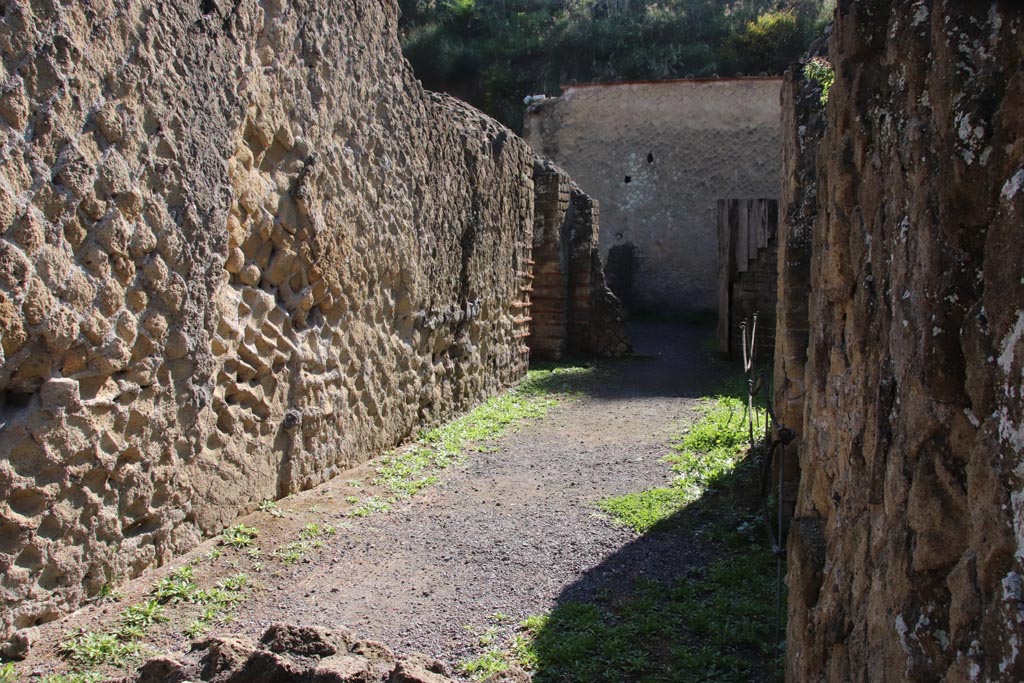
column 492, row 53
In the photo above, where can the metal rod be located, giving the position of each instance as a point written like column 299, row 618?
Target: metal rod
column 778, row 550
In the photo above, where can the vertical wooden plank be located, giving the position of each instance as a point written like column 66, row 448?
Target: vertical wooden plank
column 773, row 218
column 726, row 268
column 762, row 223
column 742, row 236
column 754, row 218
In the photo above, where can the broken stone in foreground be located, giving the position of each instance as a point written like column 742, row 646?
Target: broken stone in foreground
column 298, row 654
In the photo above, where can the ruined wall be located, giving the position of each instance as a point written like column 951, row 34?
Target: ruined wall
column 803, row 125
column 657, row 156
column 572, row 309
column 905, row 561
column 241, row 250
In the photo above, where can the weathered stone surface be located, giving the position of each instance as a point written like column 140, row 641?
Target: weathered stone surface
column 803, row 125
column 240, row 251
column 419, row 669
column 18, row 645
column 906, row 555
column 293, row 654
column 306, row 640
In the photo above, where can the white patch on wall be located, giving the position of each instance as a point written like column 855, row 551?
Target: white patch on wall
column 901, row 631
column 920, row 14
column 1012, row 186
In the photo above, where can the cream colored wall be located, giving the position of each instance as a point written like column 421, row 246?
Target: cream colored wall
column 709, row 140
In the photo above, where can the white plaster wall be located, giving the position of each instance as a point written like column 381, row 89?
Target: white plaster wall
column 709, row 140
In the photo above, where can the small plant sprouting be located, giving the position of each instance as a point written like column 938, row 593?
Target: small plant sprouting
column 371, row 505
column 271, row 507
column 292, row 552
column 108, row 593
column 239, row 536
column 314, row 530
column 75, row 677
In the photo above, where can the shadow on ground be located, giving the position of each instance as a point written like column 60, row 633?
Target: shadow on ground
column 693, row 599
column 669, row 360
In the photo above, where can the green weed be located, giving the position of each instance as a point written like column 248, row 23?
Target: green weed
column 217, row 603
column 89, row 649
column 74, row 677
column 644, row 510
column 108, row 593
column 178, row 586
column 482, row 666
column 271, row 507
column 239, row 536
column 704, row 456
column 314, row 530
column 7, row 673
column 138, row 618
column 714, row 624
column 371, row 505
column 820, row 71
column 710, row 626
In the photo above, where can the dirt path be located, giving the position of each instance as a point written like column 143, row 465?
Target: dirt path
column 512, row 531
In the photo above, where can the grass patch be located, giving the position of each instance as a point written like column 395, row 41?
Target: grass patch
column 715, row 624
column 137, row 619
column 76, row 677
column 178, row 586
column 647, row 509
column 86, row 651
column 217, row 603
column 704, row 457
column 487, row 664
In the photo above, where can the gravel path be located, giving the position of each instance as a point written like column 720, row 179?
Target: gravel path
column 515, row 530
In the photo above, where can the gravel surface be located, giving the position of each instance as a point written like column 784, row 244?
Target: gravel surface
column 515, row 530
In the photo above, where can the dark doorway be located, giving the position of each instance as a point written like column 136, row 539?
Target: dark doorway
column 620, row 271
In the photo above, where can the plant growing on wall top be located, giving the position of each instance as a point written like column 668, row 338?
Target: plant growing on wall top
column 820, row 71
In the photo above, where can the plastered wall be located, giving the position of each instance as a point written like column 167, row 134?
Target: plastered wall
column 658, row 156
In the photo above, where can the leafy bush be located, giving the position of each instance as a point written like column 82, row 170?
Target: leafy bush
column 820, row 71
column 492, row 54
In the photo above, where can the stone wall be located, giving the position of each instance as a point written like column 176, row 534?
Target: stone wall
column 906, row 558
column 572, row 309
column 241, row 250
column 803, row 125
column 657, row 156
